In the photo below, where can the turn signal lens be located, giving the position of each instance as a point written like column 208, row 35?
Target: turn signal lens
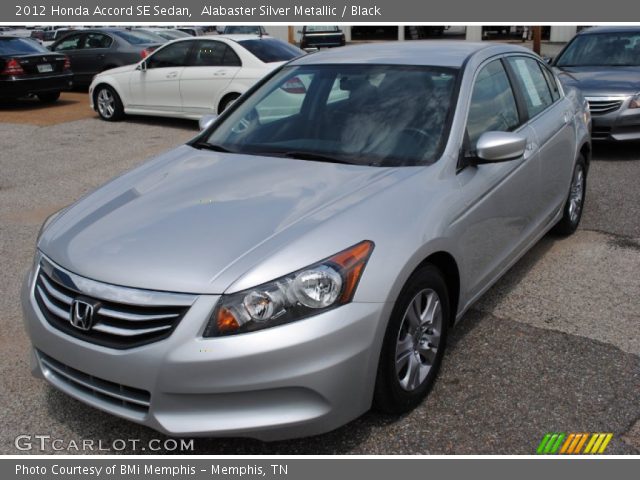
column 327, row 284
column 226, row 322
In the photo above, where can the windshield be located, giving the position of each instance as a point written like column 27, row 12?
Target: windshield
column 138, row 37
column 382, row 115
column 20, row 46
column 602, row 50
column 271, row 50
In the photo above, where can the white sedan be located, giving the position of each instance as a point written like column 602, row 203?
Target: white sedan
column 189, row 78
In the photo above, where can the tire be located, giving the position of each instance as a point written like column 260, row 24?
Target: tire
column 49, row 97
column 108, row 103
column 396, row 390
column 226, row 101
column 573, row 207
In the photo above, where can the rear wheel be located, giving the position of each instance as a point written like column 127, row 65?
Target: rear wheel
column 414, row 343
column 48, row 97
column 108, row 103
column 575, row 201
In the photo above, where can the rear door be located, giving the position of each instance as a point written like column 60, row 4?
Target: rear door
column 551, row 118
column 501, row 216
column 157, row 88
column 90, row 59
column 212, row 67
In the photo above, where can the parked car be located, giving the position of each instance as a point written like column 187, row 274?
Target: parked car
column 167, row 33
column 604, row 62
column 93, row 51
column 244, row 30
column 27, row 68
column 192, row 31
column 190, row 77
column 276, row 278
column 321, row 36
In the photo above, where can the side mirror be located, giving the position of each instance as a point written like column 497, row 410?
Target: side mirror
column 142, row 66
column 495, row 147
column 206, row 121
column 548, row 60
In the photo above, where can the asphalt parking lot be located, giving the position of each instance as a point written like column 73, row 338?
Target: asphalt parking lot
column 553, row 347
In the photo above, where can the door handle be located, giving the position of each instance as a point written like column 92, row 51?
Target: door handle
column 172, row 75
column 101, row 55
column 219, row 73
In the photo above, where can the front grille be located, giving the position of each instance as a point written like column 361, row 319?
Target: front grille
column 114, row 324
column 604, row 105
column 133, row 401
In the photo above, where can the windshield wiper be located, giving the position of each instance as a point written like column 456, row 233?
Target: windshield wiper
column 316, row 157
column 211, row 146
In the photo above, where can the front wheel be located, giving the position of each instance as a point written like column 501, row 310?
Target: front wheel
column 575, row 201
column 108, row 103
column 414, row 343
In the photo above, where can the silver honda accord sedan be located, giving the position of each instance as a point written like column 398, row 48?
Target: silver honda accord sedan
column 306, row 255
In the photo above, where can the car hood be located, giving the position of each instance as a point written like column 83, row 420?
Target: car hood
column 180, row 222
column 602, row 80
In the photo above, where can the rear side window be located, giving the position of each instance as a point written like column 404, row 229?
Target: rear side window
column 551, row 80
column 20, row 46
column 97, row 40
column 533, row 84
column 173, row 55
column 270, row 50
column 211, row 53
column 493, row 105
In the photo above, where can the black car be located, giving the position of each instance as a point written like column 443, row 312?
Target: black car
column 27, row 68
column 320, row 36
column 94, row 51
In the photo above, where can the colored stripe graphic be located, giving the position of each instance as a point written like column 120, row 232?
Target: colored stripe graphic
column 567, row 443
column 573, row 443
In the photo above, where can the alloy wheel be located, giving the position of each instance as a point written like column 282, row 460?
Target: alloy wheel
column 418, row 339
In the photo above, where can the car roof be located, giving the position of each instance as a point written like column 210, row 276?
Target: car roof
column 441, row 53
column 610, row 29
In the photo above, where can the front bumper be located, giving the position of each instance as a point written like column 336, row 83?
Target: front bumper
column 300, row 379
column 622, row 124
column 20, row 87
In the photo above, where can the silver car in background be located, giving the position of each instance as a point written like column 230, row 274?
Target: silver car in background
column 604, row 63
column 283, row 272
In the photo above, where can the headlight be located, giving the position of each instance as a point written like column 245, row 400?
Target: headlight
column 635, row 101
column 308, row 291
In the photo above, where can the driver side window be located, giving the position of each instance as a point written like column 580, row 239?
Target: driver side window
column 171, row 56
column 493, row 105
